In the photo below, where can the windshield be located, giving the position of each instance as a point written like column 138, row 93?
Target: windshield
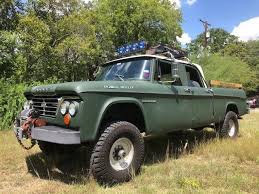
column 133, row 69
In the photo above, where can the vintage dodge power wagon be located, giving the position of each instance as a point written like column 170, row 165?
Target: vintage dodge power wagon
column 131, row 97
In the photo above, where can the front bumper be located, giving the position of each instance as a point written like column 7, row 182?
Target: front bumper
column 56, row 134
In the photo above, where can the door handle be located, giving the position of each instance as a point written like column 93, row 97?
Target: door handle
column 187, row 90
column 210, row 90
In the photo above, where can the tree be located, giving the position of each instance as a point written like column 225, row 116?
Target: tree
column 77, row 49
column 247, row 52
column 68, row 39
column 252, row 55
column 34, row 39
column 237, row 49
column 9, row 19
column 9, row 54
column 229, row 69
column 58, row 41
column 151, row 20
column 219, row 39
column 9, row 14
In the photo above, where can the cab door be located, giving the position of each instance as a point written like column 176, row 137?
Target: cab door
column 202, row 98
column 172, row 109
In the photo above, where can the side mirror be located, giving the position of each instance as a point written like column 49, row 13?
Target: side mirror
column 175, row 72
column 176, row 76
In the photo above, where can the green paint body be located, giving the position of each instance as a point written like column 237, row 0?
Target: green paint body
column 165, row 108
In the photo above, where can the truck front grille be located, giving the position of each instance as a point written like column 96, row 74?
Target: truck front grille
column 47, row 106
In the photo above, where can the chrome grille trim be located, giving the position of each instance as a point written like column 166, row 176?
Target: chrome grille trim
column 46, row 105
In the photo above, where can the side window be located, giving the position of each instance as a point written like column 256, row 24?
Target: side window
column 165, row 73
column 193, row 77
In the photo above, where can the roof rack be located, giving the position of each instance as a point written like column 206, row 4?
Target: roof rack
column 167, row 51
column 142, row 46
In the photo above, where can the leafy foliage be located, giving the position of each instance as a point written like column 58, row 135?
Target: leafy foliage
column 77, row 50
column 34, row 40
column 229, row 69
column 11, row 101
column 9, row 14
column 8, row 53
column 247, row 52
column 252, row 55
column 222, row 43
column 237, row 49
column 150, row 20
column 219, row 39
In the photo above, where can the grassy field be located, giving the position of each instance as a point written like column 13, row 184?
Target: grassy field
column 188, row 162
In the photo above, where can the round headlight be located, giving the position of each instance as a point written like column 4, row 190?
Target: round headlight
column 73, row 108
column 64, row 107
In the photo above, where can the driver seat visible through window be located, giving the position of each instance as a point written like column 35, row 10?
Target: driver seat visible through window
column 165, row 73
column 193, row 77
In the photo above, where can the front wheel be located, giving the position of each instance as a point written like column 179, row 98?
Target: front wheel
column 118, row 154
column 230, row 126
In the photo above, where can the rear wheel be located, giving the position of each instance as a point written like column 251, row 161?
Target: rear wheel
column 118, row 154
column 230, row 126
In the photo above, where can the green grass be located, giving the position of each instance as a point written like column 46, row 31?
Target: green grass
column 203, row 165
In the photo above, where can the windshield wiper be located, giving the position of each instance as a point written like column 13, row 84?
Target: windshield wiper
column 120, row 77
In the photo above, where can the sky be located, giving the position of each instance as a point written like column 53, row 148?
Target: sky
column 238, row 17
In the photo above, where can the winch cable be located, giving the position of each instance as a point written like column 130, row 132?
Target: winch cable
column 33, row 143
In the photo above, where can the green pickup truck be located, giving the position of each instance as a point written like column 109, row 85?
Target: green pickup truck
column 131, row 97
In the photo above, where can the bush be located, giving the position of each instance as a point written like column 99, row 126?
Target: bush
column 229, row 69
column 12, row 99
column 11, row 102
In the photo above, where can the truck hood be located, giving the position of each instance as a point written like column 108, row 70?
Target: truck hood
column 90, row 86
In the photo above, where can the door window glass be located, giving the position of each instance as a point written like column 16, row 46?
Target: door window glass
column 165, row 73
column 193, row 77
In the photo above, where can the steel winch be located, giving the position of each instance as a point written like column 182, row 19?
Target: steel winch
column 24, row 123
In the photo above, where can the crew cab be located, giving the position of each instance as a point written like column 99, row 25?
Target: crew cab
column 131, row 97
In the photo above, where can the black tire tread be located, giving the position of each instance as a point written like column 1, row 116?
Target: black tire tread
column 223, row 131
column 98, row 163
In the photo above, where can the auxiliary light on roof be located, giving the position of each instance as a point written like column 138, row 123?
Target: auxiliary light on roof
column 132, row 48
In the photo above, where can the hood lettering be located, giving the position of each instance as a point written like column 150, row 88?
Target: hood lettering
column 118, row 87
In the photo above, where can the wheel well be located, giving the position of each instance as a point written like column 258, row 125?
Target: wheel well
column 125, row 112
column 232, row 107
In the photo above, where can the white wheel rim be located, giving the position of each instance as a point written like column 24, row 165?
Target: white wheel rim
column 121, row 154
column 232, row 128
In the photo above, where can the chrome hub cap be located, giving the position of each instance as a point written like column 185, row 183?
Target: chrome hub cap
column 232, row 128
column 121, row 154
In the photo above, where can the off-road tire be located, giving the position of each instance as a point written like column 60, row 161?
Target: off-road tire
column 100, row 164
column 225, row 128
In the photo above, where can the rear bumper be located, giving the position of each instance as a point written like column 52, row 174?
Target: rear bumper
column 56, row 134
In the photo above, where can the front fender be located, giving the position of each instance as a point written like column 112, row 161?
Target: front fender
column 118, row 100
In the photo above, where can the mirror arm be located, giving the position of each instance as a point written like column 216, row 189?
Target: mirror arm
column 173, row 81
